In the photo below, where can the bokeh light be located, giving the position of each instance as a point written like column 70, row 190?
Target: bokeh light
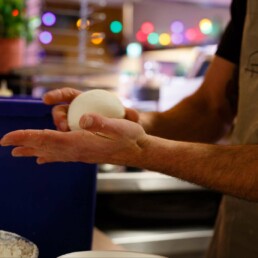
column 81, row 26
column 97, row 38
column 177, row 27
column 194, row 35
column 147, row 27
column 45, row 37
column 15, row 12
column 164, row 39
column 191, row 34
column 48, row 19
column 141, row 37
column 34, row 22
column 153, row 38
column 134, row 49
column 177, row 39
column 206, row 26
column 116, row 27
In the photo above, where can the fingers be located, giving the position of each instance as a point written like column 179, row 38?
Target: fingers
column 23, row 152
column 60, row 95
column 59, row 114
column 31, row 138
column 131, row 114
column 10, row 138
column 41, row 161
column 30, row 152
column 101, row 125
column 52, row 146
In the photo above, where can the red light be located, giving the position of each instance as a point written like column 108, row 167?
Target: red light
column 141, row 37
column 147, row 27
column 199, row 37
column 15, row 12
column 194, row 35
column 191, row 34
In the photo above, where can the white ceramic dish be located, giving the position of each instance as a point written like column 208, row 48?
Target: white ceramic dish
column 109, row 254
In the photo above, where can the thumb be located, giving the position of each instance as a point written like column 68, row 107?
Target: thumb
column 131, row 114
column 99, row 124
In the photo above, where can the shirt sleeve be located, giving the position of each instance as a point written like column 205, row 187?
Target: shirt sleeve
column 230, row 44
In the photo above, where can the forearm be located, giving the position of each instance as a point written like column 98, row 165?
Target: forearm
column 203, row 117
column 188, row 121
column 228, row 169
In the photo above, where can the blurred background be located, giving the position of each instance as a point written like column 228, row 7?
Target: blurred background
column 152, row 54
column 135, row 42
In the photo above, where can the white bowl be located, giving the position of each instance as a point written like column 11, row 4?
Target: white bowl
column 109, row 254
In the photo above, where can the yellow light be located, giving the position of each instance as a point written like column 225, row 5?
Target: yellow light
column 164, row 39
column 206, row 26
column 81, row 26
column 97, row 38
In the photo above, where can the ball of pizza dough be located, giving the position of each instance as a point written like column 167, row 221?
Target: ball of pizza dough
column 97, row 101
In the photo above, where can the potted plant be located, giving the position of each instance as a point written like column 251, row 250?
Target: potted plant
column 16, row 29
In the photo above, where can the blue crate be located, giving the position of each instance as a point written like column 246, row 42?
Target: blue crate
column 52, row 205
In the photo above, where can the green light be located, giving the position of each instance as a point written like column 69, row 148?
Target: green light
column 134, row 49
column 153, row 38
column 116, row 26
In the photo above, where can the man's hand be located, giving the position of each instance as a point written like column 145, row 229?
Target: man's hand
column 66, row 96
column 102, row 140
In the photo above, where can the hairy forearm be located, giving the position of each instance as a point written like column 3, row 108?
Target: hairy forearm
column 228, row 169
column 188, row 121
column 203, row 117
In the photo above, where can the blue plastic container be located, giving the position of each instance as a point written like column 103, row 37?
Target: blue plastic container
column 52, row 205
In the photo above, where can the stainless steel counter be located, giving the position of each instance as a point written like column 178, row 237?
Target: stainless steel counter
column 141, row 182
column 171, row 243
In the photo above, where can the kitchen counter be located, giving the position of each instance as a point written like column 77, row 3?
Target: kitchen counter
column 145, row 181
column 146, row 211
column 166, row 242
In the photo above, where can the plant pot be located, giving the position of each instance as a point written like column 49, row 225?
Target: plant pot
column 11, row 54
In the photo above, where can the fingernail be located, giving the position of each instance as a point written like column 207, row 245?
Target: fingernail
column 16, row 154
column 86, row 122
column 40, row 161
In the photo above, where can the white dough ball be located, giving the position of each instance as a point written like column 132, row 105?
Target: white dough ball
column 97, row 101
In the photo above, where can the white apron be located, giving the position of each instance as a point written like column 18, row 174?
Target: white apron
column 236, row 231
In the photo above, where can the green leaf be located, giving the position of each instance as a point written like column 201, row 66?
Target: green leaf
column 16, row 31
column 16, row 26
